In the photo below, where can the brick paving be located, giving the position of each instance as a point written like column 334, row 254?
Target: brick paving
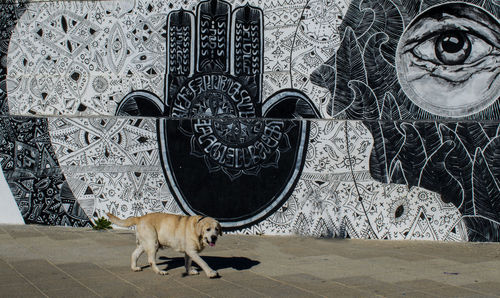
column 42, row 261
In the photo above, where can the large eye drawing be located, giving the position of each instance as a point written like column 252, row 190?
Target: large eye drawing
column 448, row 60
column 453, row 47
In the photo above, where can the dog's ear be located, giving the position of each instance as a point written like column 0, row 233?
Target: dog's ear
column 198, row 226
column 220, row 229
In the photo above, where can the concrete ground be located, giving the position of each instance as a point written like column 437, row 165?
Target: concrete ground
column 41, row 261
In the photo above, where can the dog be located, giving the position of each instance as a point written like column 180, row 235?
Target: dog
column 187, row 234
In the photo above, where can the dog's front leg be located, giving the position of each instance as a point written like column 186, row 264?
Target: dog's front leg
column 208, row 271
column 187, row 264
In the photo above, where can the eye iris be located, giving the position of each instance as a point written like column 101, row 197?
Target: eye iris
column 452, row 44
column 452, row 47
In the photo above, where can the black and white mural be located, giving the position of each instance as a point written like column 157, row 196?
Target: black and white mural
column 400, row 65
column 362, row 119
column 28, row 161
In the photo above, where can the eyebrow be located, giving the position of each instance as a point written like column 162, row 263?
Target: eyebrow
column 430, row 25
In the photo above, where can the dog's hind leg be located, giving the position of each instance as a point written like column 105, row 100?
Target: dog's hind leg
column 151, row 249
column 135, row 256
column 187, row 264
column 148, row 239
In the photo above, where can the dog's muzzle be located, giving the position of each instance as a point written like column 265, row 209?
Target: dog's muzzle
column 212, row 241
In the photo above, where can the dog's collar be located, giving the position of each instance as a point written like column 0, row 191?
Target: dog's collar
column 201, row 218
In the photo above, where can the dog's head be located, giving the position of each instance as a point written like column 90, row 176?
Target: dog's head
column 208, row 229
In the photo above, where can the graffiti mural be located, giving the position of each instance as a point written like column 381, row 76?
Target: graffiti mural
column 26, row 155
column 431, row 61
column 362, row 118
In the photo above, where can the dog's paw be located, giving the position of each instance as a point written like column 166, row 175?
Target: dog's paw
column 136, row 269
column 193, row 272
column 162, row 272
column 213, row 274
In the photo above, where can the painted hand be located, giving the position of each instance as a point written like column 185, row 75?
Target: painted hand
column 225, row 153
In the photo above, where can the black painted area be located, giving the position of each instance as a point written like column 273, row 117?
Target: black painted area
column 218, row 194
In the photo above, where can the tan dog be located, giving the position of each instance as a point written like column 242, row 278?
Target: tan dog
column 187, row 234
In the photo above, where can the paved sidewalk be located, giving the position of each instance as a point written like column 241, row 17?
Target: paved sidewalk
column 41, row 261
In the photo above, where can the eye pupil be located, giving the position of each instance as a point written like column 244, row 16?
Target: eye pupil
column 452, row 43
column 452, row 47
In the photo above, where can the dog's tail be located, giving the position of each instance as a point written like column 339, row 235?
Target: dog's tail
column 131, row 221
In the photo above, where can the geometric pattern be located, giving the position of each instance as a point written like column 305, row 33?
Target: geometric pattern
column 112, row 164
column 34, row 176
column 81, row 58
column 325, row 201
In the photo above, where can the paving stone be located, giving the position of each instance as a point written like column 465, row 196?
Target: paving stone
column 233, row 291
column 252, row 280
column 59, row 283
column 338, row 290
column 421, row 284
column 412, row 257
column 174, row 292
column 20, row 290
column 460, row 278
column 13, row 251
column 75, row 292
column 373, row 286
column 384, row 289
column 413, row 294
column 485, row 287
column 218, row 287
column 38, row 270
column 309, row 282
column 357, row 281
column 395, row 277
column 83, row 270
column 5, row 237
column 113, row 288
column 18, row 234
column 11, row 279
column 5, row 268
column 145, row 280
column 284, row 291
column 451, row 291
column 117, row 242
column 64, row 236
column 118, row 269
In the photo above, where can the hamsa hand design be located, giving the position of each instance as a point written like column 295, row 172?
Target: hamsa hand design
column 225, row 153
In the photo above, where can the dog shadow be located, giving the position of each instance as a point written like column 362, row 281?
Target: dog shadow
column 216, row 263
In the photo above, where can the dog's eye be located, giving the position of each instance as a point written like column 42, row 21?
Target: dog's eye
column 208, row 230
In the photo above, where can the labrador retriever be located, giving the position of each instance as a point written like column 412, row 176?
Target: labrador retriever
column 187, row 234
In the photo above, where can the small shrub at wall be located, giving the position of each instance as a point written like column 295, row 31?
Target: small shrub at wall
column 102, row 224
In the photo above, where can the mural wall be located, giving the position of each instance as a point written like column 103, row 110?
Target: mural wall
column 361, row 119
